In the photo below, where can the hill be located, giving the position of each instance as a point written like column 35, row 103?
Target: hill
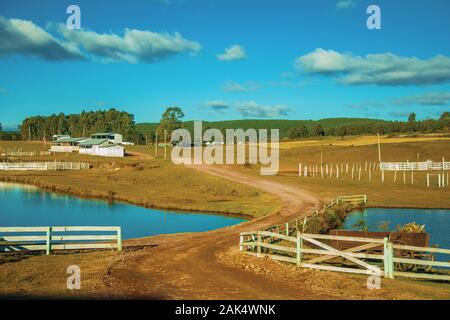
column 328, row 125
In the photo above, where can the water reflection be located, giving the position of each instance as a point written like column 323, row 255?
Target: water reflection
column 24, row 205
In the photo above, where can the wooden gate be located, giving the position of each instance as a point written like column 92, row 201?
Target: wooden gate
column 369, row 256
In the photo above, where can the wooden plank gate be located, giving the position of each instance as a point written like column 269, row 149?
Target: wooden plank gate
column 368, row 256
column 59, row 238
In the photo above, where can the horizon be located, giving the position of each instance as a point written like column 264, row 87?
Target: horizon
column 12, row 128
column 144, row 56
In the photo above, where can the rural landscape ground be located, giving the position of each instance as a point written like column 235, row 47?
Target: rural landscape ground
column 209, row 265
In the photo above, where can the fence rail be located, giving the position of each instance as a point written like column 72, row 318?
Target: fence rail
column 312, row 251
column 415, row 166
column 21, row 153
column 300, row 224
column 32, row 166
column 54, row 238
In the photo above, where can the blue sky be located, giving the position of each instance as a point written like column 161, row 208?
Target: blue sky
column 221, row 60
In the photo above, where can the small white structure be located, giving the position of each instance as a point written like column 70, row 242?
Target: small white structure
column 101, row 147
column 66, row 144
column 111, row 137
column 57, row 137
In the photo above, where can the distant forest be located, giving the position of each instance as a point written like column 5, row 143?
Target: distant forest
column 295, row 129
column 79, row 125
column 112, row 120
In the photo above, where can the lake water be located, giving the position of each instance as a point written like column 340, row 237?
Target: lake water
column 23, row 205
column 436, row 221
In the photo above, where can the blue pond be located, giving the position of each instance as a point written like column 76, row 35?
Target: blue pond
column 23, row 205
column 436, row 221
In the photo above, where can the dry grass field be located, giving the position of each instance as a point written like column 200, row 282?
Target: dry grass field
column 188, row 259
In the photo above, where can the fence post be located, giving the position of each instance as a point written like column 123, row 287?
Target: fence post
column 119, row 239
column 258, row 247
column 287, row 228
column 241, row 241
column 388, row 259
column 48, row 241
column 299, row 248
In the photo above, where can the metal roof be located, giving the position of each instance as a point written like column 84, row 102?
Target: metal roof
column 68, row 140
column 92, row 142
column 102, row 134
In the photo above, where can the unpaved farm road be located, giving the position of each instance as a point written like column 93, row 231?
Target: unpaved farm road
column 185, row 266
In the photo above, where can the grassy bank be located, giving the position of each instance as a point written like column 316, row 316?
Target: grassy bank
column 147, row 182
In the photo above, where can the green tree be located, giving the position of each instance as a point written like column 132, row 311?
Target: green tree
column 317, row 130
column 412, row 117
column 171, row 120
column 412, row 121
column 445, row 116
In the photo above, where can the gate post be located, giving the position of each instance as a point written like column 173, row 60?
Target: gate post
column 48, row 240
column 119, row 239
column 299, row 248
column 388, row 259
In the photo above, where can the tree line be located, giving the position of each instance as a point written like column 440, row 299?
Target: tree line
column 442, row 124
column 112, row 120
column 80, row 125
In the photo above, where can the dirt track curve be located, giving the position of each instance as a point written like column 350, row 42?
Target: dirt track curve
column 185, row 266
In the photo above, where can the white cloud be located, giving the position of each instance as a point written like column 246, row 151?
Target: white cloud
column 345, row 4
column 253, row 110
column 232, row 86
column 235, row 52
column 426, row 99
column 134, row 46
column 218, row 105
column 24, row 37
column 380, row 69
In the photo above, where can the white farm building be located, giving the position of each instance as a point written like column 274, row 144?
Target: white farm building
column 101, row 147
column 99, row 144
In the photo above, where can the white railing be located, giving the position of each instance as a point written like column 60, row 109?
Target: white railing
column 33, row 166
column 25, row 153
column 414, row 166
column 64, row 148
column 371, row 256
column 54, row 238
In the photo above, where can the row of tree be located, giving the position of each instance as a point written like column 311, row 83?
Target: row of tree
column 112, row 120
column 385, row 127
column 80, row 125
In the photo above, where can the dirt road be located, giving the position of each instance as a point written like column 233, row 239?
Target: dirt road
column 187, row 267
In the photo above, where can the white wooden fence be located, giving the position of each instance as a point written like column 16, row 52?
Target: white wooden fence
column 56, row 238
column 300, row 224
column 415, row 166
column 64, row 149
column 44, row 166
column 311, row 251
column 20, row 153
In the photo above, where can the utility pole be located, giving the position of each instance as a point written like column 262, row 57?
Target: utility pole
column 379, row 148
column 321, row 155
column 165, row 145
column 156, row 144
column 29, row 133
